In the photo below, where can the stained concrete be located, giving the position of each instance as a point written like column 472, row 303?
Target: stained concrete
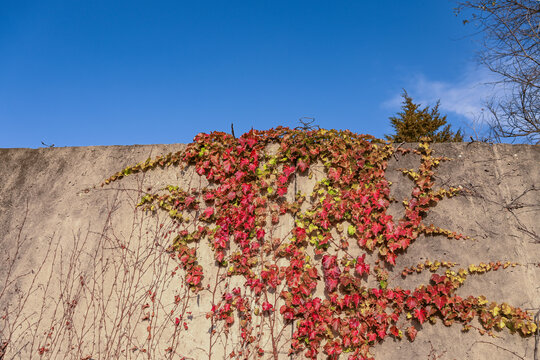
column 84, row 276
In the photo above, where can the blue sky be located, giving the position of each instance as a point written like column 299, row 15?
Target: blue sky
column 78, row 73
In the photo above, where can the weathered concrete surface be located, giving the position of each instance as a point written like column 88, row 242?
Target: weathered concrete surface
column 83, row 275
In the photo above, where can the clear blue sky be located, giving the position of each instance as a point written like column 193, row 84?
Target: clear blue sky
column 77, row 73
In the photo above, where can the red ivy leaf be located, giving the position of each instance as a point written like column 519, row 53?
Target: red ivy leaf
column 377, row 292
column 209, row 211
column 411, row 332
column 288, row 170
column 362, row 268
column 440, row 301
column 420, row 314
column 391, row 258
column 376, row 227
column 302, row 165
column 437, row 278
column 266, row 306
column 331, row 284
column 328, row 261
column 411, row 303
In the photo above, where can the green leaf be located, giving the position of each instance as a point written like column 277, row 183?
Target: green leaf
column 351, row 230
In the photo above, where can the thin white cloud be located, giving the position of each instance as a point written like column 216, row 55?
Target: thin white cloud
column 465, row 97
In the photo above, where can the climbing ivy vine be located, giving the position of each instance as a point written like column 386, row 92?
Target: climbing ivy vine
column 336, row 299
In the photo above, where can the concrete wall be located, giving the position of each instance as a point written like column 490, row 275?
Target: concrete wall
column 85, row 276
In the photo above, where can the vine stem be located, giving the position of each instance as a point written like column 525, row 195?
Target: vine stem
column 500, row 348
column 271, row 319
column 212, row 322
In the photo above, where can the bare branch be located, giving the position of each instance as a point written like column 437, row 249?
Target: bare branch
column 511, row 49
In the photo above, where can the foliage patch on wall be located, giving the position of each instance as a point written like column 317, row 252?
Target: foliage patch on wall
column 318, row 277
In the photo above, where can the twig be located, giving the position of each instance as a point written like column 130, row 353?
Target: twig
column 307, row 124
column 500, row 347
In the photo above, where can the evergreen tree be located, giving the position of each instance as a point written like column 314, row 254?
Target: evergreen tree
column 413, row 123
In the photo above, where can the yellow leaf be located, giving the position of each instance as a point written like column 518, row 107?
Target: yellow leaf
column 482, row 300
